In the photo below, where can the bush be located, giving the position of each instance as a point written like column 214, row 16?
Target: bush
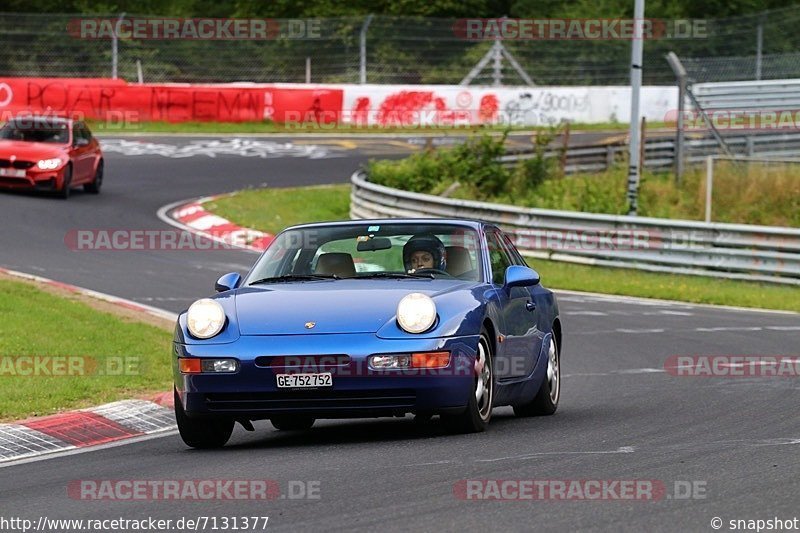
column 474, row 165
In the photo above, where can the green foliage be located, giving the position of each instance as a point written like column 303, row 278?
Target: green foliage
column 474, row 165
column 753, row 193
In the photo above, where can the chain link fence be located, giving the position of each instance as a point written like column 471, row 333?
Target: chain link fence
column 399, row 50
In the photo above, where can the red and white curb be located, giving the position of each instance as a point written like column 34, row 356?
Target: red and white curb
column 108, row 423
column 193, row 217
column 95, row 426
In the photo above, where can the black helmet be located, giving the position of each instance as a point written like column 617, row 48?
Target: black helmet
column 426, row 242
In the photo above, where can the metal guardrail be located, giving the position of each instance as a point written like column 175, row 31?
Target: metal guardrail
column 736, row 251
column 777, row 95
column 659, row 153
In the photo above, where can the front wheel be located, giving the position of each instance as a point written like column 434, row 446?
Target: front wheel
column 94, row 186
column 66, row 185
column 202, row 432
column 546, row 400
column 476, row 416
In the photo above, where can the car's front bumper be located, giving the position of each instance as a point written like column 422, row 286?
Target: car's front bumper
column 357, row 391
column 43, row 180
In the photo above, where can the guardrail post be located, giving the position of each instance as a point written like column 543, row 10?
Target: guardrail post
column 610, row 156
column 709, row 185
column 642, row 146
column 115, row 47
column 363, row 49
column 750, row 146
column 680, row 74
column 636, row 85
column 565, row 149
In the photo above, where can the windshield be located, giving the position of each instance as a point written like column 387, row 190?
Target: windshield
column 44, row 131
column 370, row 251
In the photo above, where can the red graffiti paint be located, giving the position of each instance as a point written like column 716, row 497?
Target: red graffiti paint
column 489, row 106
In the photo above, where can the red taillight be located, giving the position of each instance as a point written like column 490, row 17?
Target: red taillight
column 189, row 366
column 430, row 360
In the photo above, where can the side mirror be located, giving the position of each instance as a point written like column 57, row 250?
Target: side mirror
column 227, row 282
column 520, row 276
column 81, row 142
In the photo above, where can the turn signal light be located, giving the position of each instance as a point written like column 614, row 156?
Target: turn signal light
column 430, row 360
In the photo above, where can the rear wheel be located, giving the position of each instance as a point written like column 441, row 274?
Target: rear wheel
column 546, row 400
column 94, row 186
column 292, row 423
column 202, row 432
column 476, row 416
column 63, row 193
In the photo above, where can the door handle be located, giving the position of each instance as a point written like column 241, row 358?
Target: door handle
column 530, row 306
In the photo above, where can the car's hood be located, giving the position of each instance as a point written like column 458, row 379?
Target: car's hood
column 29, row 151
column 341, row 306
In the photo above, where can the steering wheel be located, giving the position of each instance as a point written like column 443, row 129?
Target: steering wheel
column 431, row 271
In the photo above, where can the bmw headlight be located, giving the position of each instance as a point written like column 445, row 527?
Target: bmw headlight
column 49, row 164
column 205, row 318
column 416, row 312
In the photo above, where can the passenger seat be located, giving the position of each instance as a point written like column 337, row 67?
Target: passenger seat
column 336, row 263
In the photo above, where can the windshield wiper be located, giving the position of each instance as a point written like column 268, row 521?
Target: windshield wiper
column 295, row 277
column 395, row 275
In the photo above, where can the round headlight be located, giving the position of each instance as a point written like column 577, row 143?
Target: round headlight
column 205, row 318
column 416, row 312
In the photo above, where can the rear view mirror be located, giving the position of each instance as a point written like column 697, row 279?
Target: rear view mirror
column 371, row 245
column 227, row 282
column 520, row 276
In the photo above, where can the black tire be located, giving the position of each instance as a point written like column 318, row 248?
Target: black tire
column 94, row 186
column 545, row 402
column 63, row 193
column 292, row 423
column 475, row 418
column 202, row 433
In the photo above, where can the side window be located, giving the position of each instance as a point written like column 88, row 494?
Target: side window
column 513, row 252
column 86, row 133
column 497, row 257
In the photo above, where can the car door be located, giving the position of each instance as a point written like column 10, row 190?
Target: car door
column 516, row 356
column 82, row 155
column 538, row 327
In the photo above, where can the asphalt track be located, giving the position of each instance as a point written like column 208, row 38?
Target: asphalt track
column 622, row 417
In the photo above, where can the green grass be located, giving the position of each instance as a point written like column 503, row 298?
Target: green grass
column 695, row 289
column 37, row 323
column 195, row 127
column 273, row 209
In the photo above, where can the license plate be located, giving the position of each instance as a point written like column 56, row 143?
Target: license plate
column 292, row 381
column 12, row 172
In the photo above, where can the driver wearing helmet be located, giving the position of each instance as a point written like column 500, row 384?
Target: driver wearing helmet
column 424, row 251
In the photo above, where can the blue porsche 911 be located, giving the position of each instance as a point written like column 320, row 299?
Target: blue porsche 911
column 369, row 318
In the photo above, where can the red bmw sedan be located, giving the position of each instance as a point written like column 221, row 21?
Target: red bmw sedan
column 49, row 154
